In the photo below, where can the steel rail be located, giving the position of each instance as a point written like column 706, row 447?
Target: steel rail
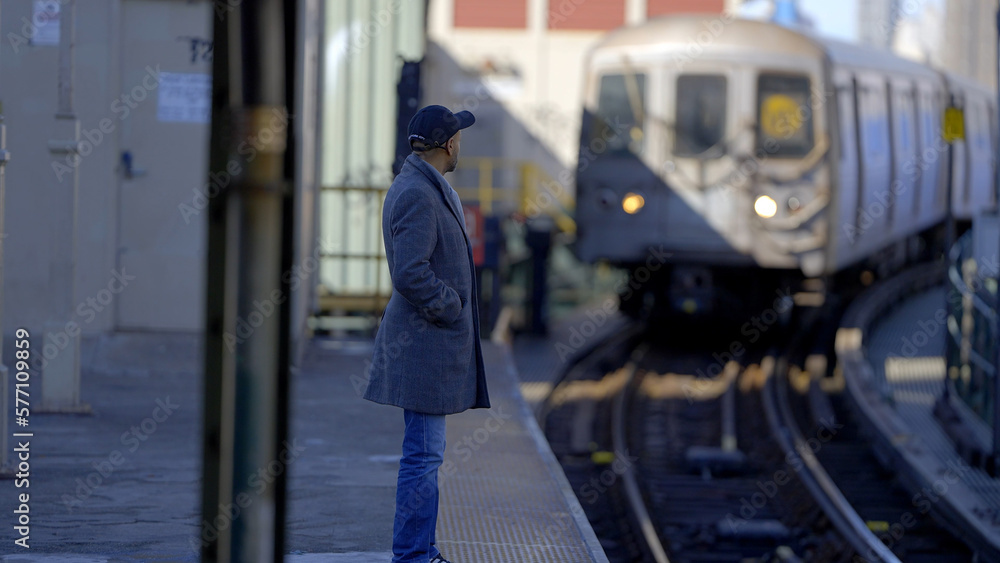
column 824, row 491
column 631, row 485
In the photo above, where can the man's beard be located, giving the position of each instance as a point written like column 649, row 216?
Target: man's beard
column 452, row 164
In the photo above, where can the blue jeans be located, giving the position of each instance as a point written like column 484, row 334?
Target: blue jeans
column 417, row 488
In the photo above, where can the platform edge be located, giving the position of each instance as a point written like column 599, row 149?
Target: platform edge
column 593, row 544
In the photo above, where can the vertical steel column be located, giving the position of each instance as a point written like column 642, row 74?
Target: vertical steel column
column 4, row 395
column 949, row 240
column 250, row 238
column 996, row 301
column 295, row 14
column 4, row 157
column 60, row 348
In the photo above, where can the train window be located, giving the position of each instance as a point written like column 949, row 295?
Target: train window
column 992, row 131
column 875, row 118
column 701, row 114
column 978, row 124
column 991, row 138
column 845, row 101
column 784, row 115
column 902, row 115
column 620, row 109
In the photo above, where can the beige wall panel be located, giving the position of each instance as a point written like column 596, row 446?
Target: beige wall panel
column 28, row 88
column 162, row 231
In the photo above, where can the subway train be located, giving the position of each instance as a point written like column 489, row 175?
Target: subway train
column 722, row 159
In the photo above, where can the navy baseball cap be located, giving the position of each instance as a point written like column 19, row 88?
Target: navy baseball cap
column 434, row 125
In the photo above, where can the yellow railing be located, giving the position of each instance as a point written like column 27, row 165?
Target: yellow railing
column 531, row 190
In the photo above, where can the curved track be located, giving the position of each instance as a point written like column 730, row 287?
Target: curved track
column 676, row 468
column 717, row 486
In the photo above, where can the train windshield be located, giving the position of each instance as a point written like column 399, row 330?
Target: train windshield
column 620, row 109
column 784, row 117
column 701, row 115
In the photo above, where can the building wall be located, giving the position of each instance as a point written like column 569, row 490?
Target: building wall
column 28, row 89
column 660, row 7
column 114, row 210
column 970, row 39
column 487, row 13
column 919, row 35
column 524, row 83
column 877, row 21
column 607, row 14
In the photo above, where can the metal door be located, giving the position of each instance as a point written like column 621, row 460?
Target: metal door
column 162, row 117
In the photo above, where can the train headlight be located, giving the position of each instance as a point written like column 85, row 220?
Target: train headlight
column 633, row 202
column 765, row 206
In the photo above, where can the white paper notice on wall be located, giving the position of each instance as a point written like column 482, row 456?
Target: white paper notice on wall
column 184, row 97
column 45, row 22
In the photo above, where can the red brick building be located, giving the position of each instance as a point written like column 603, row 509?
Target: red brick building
column 571, row 14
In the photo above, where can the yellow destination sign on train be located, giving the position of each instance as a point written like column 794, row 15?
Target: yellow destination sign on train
column 954, row 125
column 781, row 116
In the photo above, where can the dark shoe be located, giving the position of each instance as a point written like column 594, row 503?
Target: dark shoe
column 439, row 559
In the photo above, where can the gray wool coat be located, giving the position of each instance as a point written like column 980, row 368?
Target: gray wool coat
column 428, row 356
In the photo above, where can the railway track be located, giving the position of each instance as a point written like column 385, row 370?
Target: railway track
column 737, row 467
column 900, row 520
column 718, row 488
column 576, row 421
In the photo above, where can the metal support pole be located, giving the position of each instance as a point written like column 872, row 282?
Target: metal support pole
column 59, row 349
column 5, row 469
column 996, row 385
column 539, row 240
column 247, row 342
column 949, row 240
column 996, row 302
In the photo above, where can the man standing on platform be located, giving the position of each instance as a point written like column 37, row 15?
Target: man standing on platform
column 427, row 359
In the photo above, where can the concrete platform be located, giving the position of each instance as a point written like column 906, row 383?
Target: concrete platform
column 503, row 494
column 353, row 557
column 892, row 353
column 504, row 497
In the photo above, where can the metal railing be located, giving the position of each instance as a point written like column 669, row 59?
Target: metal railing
column 352, row 272
column 514, row 186
column 353, row 275
column 972, row 331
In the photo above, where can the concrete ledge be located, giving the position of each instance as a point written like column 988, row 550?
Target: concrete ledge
column 504, row 496
column 352, row 557
column 545, row 451
column 903, row 450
